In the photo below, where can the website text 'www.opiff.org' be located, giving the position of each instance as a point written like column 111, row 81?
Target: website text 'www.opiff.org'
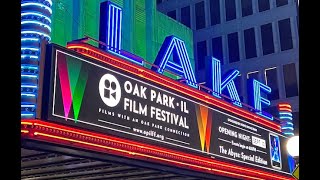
column 149, row 133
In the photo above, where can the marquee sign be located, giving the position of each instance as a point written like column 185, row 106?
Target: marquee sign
column 97, row 96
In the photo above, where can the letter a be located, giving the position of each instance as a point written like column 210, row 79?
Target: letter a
column 180, row 64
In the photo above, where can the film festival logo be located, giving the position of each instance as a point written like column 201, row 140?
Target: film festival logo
column 110, row 90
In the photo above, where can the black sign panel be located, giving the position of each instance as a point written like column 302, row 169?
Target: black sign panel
column 96, row 96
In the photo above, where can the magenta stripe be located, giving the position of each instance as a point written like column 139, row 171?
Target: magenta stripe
column 65, row 84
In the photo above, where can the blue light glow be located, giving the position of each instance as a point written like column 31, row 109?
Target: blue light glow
column 289, row 133
column 27, row 114
column 36, row 22
column 49, row 1
column 285, row 117
column 111, row 33
column 36, row 14
column 28, row 75
column 290, row 128
column 35, row 26
column 30, row 48
column 30, row 56
column 28, row 105
column 29, row 86
column 218, row 85
column 284, row 114
column 163, row 60
column 28, row 94
column 36, row 32
column 30, row 39
column 255, row 87
column 29, row 67
column 37, row 4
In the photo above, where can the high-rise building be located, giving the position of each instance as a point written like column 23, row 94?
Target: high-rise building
column 260, row 38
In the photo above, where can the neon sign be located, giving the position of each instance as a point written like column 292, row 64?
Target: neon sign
column 110, row 33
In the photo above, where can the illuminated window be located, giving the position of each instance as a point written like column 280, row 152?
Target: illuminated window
column 172, row 14
column 267, row 39
column 215, row 12
column 230, row 10
column 263, row 5
column 250, row 43
column 246, row 6
column 285, row 34
column 233, row 47
column 217, row 51
column 200, row 16
column 185, row 16
column 290, row 79
column 271, row 80
column 201, row 54
column 281, row 2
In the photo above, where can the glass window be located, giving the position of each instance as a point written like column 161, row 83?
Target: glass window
column 233, row 46
column 250, row 43
column 267, row 39
column 215, row 11
column 185, row 16
column 200, row 16
column 201, row 54
column 271, row 80
column 263, row 5
column 281, row 2
column 290, row 80
column 285, row 34
column 172, row 14
column 246, row 6
column 217, row 51
column 230, row 10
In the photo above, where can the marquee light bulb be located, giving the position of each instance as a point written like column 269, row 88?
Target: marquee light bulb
column 293, row 146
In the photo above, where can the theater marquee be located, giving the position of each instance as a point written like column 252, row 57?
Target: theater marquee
column 96, row 96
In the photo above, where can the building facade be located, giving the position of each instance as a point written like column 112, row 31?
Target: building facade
column 260, row 38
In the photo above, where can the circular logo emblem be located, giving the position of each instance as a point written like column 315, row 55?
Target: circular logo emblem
column 110, row 90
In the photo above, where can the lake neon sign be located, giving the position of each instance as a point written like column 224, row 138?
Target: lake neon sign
column 110, row 33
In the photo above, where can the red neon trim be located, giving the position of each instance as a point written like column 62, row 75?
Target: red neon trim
column 143, row 146
column 147, row 156
column 285, row 109
column 183, row 88
column 284, row 105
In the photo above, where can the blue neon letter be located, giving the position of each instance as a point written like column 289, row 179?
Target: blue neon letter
column 256, row 100
column 180, row 64
column 214, row 81
column 110, row 26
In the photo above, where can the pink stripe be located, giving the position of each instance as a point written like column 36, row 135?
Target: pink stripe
column 65, row 84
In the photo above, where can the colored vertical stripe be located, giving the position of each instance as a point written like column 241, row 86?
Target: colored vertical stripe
column 64, row 84
column 78, row 94
column 208, row 130
column 74, row 67
column 204, row 120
